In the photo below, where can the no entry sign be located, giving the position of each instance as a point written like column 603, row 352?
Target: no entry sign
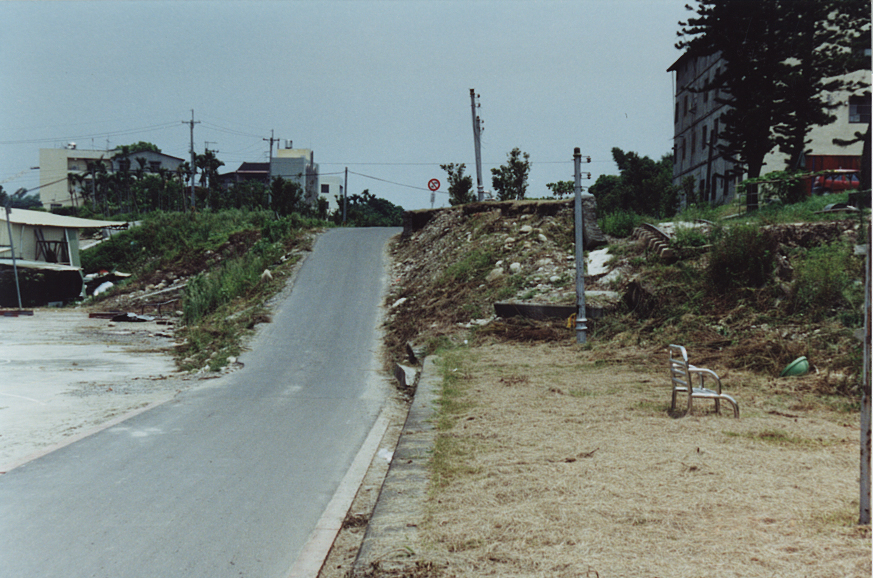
column 433, row 184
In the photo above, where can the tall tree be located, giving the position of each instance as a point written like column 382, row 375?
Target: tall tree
column 510, row 180
column 779, row 57
column 644, row 186
column 287, row 197
column 143, row 146
column 460, row 185
column 562, row 188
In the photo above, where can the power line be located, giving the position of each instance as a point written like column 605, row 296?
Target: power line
column 87, row 136
column 395, row 183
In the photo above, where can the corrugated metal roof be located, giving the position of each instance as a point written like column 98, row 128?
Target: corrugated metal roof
column 41, row 219
column 26, row 264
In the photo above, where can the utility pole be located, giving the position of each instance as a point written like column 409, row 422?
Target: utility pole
column 477, row 132
column 581, row 319
column 192, row 122
column 270, row 168
column 345, row 196
column 271, row 139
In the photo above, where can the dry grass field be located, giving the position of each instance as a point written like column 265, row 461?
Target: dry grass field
column 553, row 460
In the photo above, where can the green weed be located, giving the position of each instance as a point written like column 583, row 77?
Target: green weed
column 741, row 256
column 621, row 223
column 824, row 279
column 473, row 267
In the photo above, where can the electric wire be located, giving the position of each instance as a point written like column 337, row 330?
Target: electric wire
column 395, row 183
column 94, row 135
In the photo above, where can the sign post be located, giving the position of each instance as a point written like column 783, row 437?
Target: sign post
column 434, row 186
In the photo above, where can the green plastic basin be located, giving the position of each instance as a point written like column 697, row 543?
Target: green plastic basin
column 797, row 367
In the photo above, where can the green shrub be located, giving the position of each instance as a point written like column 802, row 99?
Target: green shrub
column 824, row 279
column 741, row 256
column 620, row 223
column 684, row 236
column 207, row 292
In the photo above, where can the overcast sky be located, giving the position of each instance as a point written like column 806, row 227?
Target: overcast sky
column 379, row 87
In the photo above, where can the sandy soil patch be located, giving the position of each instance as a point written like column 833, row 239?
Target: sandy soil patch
column 62, row 374
column 566, row 464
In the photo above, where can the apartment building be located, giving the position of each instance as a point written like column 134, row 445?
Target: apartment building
column 697, row 132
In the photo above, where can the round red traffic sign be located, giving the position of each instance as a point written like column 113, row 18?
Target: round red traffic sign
column 433, row 184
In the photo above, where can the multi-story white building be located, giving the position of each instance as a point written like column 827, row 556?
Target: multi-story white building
column 697, row 132
column 331, row 188
column 56, row 165
column 297, row 165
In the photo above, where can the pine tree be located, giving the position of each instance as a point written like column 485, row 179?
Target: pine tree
column 780, row 58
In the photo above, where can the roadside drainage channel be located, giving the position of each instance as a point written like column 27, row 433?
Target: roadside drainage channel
column 392, row 531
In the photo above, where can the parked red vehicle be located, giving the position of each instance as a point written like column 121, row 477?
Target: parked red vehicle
column 836, row 182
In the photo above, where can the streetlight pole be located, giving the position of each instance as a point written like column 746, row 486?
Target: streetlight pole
column 581, row 320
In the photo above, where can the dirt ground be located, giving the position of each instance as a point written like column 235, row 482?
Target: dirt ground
column 569, row 464
column 562, row 460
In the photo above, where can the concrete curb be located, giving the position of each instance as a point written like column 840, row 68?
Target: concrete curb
column 317, row 547
column 392, row 532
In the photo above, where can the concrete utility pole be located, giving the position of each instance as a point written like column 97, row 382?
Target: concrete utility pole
column 581, row 319
column 345, row 196
column 271, row 139
column 477, row 133
column 192, row 122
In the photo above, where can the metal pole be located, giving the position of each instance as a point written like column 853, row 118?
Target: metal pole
column 478, row 146
column 581, row 320
column 346, row 196
column 864, row 517
column 12, row 247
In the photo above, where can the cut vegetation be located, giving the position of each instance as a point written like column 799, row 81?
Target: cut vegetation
column 555, row 459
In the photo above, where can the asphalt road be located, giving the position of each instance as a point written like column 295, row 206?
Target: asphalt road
column 229, row 479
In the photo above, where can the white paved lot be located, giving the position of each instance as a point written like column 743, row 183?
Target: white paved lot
column 63, row 374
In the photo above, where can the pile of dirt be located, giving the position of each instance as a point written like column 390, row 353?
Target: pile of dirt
column 454, row 264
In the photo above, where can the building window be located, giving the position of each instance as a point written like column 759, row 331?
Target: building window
column 703, row 138
column 693, row 140
column 154, row 166
column 676, row 114
column 325, row 189
column 859, row 109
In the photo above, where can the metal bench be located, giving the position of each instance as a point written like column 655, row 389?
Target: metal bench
column 683, row 375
